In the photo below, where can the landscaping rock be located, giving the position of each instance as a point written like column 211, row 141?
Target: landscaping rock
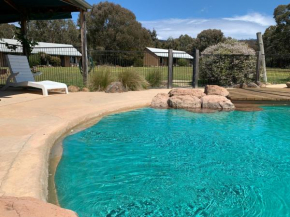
column 243, row 85
column 160, row 101
column 73, row 88
column 30, row 207
column 183, row 92
column 216, row 90
column 184, row 102
column 85, row 89
column 288, row 84
column 260, row 84
column 253, row 85
column 216, row 102
column 115, row 87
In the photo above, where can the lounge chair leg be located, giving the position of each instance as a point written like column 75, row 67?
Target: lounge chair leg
column 44, row 91
column 66, row 90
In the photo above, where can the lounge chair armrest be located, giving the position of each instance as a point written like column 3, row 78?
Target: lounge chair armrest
column 37, row 74
column 12, row 75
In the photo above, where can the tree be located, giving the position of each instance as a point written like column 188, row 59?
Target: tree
column 155, row 41
column 7, row 31
column 208, row 38
column 111, row 27
column 276, row 38
column 185, row 42
column 54, row 31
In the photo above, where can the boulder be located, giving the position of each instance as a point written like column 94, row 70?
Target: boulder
column 260, row 84
column 253, row 85
column 73, row 88
column 216, row 90
column 160, row 101
column 216, row 102
column 85, row 89
column 243, row 85
column 288, row 84
column 183, row 92
column 184, row 102
column 115, row 87
column 24, row 207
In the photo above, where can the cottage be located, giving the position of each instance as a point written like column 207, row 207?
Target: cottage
column 67, row 53
column 159, row 57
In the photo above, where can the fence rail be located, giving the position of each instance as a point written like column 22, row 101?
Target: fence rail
column 62, row 64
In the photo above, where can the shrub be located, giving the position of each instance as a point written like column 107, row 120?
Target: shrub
column 138, row 62
column 44, row 58
column 55, row 61
column 132, row 80
column 34, row 60
column 218, row 65
column 154, row 78
column 182, row 62
column 100, row 79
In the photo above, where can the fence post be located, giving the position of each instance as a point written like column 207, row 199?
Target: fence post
column 84, row 47
column 258, row 66
column 195, row 69
column 170, row 69
column 263, row 58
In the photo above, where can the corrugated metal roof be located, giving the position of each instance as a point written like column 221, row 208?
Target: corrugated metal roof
column 48, row 48
column 164, row 53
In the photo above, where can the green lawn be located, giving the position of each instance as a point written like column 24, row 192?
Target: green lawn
column 278, row 76
column 72, row 75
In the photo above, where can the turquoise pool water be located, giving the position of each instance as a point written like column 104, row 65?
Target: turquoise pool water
column 176, row 163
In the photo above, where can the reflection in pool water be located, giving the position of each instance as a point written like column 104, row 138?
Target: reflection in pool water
column 176, row 163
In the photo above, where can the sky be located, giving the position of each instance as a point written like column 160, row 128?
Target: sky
column 240, row 19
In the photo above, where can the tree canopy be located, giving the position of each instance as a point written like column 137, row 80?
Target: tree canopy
column 112, row 27
column 54, row 31
column 7, row 31
column 276, row 38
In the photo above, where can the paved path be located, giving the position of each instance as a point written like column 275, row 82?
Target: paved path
column 31, row 123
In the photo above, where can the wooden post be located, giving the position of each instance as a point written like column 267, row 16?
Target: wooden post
column 261, row 47
column 195, row 69
column 24, row 33
column 170, row 69
column 258, row 66
column 84, row 47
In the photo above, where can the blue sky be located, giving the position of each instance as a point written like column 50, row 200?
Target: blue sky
column 239, row 19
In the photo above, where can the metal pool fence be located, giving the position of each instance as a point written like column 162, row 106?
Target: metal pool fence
column 278, row 68
column 170, row 68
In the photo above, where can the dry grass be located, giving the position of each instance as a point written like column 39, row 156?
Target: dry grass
column 132, row 80
column 100, row 79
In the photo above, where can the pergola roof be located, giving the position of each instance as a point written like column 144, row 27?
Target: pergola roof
column 15, row 10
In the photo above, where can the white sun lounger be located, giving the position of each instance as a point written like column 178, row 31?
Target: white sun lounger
column 23, row 77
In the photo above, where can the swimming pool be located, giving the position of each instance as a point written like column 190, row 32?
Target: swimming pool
column 151, row 162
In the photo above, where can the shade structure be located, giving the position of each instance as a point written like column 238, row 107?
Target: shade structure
column 16, row 10
column 24, row 10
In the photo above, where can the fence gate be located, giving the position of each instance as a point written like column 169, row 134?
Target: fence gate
column 182, row 69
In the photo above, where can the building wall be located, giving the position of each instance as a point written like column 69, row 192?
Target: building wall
column 150, row 59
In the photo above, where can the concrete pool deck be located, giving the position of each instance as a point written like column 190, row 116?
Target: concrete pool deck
column 30, row 124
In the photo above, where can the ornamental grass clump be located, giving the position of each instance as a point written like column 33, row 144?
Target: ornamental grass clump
column 132, row 80
column 100, row 79
column 154, row 78
column 228, row 63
